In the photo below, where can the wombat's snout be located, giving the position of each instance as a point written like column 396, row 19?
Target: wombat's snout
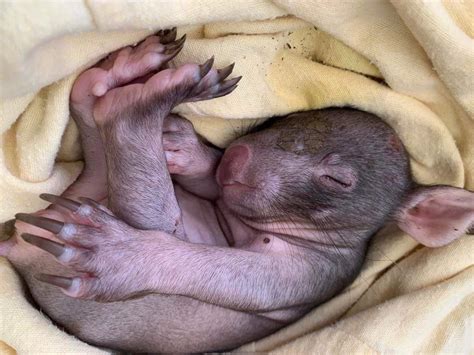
column 233, row 165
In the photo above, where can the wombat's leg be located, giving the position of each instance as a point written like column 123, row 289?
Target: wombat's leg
column 149, row 55
column 118, row 68
column 130, row 119
column 121, row 67
column 191, row 162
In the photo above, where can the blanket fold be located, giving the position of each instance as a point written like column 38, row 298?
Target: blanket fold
column 409, row 62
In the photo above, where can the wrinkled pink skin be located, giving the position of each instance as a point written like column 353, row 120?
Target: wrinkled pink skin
column 229, row 248
column 206, row 296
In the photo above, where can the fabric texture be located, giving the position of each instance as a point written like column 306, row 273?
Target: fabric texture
column 409, row 62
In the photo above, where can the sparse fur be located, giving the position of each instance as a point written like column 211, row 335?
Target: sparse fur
column 232, row 245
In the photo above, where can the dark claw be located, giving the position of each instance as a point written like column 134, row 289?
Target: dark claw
column 60, row 281
column 223, row 89
column 176, row 44
column 171, row 53
column 209, row 96
column 225, row 72
column 9, row 228
column 215, row 90
column 61, row 201
column 228, row 83
column 45, row 223
column 225, row 92
column 167, row 36
column 206, row 67
column 50, row 246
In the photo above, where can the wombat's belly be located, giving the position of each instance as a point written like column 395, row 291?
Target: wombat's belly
column 153, row 323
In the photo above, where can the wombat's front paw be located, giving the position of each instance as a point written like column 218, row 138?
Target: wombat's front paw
column 166, row 89
column 186, row 154
column 121, row 67
column 99, row 247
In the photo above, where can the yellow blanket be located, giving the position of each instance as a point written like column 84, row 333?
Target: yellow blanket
column 410, row 62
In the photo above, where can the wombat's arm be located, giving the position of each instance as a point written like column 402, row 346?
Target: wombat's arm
column 127, row 262
column 234, row 278
column 191, row 163
column 130, row 120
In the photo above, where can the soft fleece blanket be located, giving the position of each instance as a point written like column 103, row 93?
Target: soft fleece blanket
column 410, row 62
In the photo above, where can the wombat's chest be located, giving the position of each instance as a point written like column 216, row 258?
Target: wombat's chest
column 200, row 219
column 207, row 222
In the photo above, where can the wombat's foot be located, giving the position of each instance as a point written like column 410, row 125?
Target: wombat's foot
column 164, row 90
column 121, row 67
column 93, row 243
column 186, row 153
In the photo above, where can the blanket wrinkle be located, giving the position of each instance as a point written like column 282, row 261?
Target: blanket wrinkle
column 409, row 62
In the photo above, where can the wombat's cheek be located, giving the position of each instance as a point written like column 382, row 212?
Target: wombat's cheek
column 257, row 200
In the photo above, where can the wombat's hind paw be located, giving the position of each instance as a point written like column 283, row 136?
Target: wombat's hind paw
column 92, row 243
column 189, row 83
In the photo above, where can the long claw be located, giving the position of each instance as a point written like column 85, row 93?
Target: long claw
column 171, row 53
column 224, row 92
column 226, row 88
column 218, row 89
column 228, row 83
column 176, row 44
column 206, row 67
column 61, row 201
column 42, row 222
column 60, row 281
column 210, row 96
column 225, row 72
column 50, row 246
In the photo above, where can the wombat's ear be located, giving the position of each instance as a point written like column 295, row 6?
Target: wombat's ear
column 437, row 215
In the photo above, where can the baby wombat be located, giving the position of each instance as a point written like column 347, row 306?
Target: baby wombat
column 203, row 250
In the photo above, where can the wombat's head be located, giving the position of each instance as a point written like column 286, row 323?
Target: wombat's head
column 337, row 168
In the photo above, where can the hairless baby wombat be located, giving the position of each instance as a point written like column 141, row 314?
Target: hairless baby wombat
column 203, row 250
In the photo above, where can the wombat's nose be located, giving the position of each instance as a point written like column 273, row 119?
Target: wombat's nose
column 238, row 153
column 233, row 164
